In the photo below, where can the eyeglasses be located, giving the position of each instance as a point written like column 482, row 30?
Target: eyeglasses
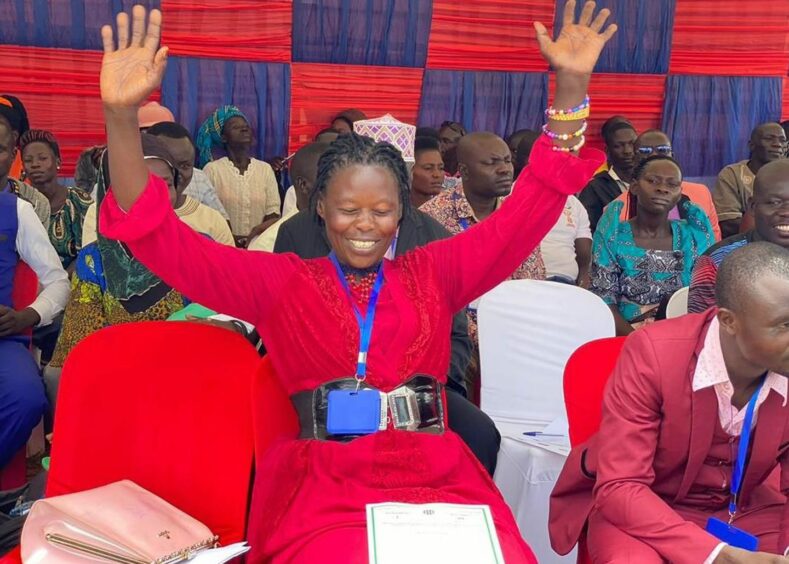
column 664, row 150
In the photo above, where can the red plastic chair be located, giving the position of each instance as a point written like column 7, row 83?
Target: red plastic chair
column 166, row 405
column 273, row 414
column 23, row 293
column 585, row 376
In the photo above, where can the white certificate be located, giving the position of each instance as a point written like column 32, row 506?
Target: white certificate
column 402, row 533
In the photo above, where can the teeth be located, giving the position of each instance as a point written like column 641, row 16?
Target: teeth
column 784, row 228
column 361, row 245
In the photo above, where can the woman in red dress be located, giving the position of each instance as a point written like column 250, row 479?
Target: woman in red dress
column 310, row 493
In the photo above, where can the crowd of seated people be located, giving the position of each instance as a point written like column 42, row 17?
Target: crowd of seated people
column 630, row 229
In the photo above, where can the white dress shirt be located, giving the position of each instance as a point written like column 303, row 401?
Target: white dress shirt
column 34, row 248
column 289, row 203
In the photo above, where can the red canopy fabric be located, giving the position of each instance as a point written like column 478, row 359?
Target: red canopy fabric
column 638, row 96
column 60, row 90
column 731, row 37
column 320, row 91
column 233, row 29
column 487, row 35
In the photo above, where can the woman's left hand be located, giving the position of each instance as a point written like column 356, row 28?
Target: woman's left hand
column 578, row 45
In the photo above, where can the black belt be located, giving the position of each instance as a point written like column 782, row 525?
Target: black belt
column 417, row 405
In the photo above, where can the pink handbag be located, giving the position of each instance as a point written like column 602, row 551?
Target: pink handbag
column 119, row 522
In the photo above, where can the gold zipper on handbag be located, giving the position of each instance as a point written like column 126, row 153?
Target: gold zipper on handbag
column 110, row 556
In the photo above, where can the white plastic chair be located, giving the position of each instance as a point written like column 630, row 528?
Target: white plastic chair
column 527, row 331
column 678, row 303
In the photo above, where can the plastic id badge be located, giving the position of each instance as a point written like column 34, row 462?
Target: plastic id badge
column 353, row 413
column 731, row 535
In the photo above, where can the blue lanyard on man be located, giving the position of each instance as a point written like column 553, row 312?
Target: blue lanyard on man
column 357, row 412
column 727, row 532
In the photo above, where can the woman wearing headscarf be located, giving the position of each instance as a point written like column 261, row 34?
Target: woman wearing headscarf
column 41, row 159
column 352, row 320
column 109, row 285
column 246, row 186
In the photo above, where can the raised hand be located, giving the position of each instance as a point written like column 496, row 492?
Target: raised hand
column 578, row 45
column 130, row 73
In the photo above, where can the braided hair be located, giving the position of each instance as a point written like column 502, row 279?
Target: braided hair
column 354, row 149
column 39, row 136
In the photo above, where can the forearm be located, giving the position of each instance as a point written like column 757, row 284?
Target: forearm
column 583, row 258
column 128, row 172
column 623, row 327
column 571, row 89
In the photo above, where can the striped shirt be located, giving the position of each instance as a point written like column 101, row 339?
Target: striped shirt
column 705, row 271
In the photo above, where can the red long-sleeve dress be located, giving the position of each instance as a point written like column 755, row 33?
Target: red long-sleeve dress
column 310, row 495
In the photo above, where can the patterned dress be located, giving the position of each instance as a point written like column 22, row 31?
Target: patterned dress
column 635, row 279
column 65, row 225
column 92, row 307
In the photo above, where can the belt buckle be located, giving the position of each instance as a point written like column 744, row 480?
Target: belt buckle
column 404, row 409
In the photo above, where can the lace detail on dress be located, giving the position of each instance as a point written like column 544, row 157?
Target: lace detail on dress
column 340, row 309
column 424, row 295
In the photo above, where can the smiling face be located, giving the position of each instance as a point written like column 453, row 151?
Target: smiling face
column 361, row 210
column 771, row 202
column 659, row 187
column 40, row 162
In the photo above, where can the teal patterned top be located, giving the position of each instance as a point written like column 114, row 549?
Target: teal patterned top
column 637, row 279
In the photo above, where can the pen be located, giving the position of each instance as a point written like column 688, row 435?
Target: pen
column 541, row 434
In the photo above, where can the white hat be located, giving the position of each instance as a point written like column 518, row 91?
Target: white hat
column 387, row 128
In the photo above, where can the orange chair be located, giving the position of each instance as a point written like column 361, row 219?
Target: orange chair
column 585, row 376
column 23, row 294
column 166, row 405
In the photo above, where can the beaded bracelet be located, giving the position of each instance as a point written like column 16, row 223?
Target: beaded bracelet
column 579, row 112
column 576, row 147
column 565, row 136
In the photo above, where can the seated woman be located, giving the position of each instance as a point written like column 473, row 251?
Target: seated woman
column 246, row 186
column 311, row 492
column 109, row 286
column 67, row 205
column 638, row 263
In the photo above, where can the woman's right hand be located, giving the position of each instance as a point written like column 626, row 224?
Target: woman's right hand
column 130, row 73
column 731, row 555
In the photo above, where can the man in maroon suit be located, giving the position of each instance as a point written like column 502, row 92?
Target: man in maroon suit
column 673, row 413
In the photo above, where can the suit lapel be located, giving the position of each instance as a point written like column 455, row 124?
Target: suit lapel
column 767, row 437
column 704, row 417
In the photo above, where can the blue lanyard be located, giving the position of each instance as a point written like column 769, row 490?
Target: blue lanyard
column 366, row 322
column 742, row 452
column 464, row 224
